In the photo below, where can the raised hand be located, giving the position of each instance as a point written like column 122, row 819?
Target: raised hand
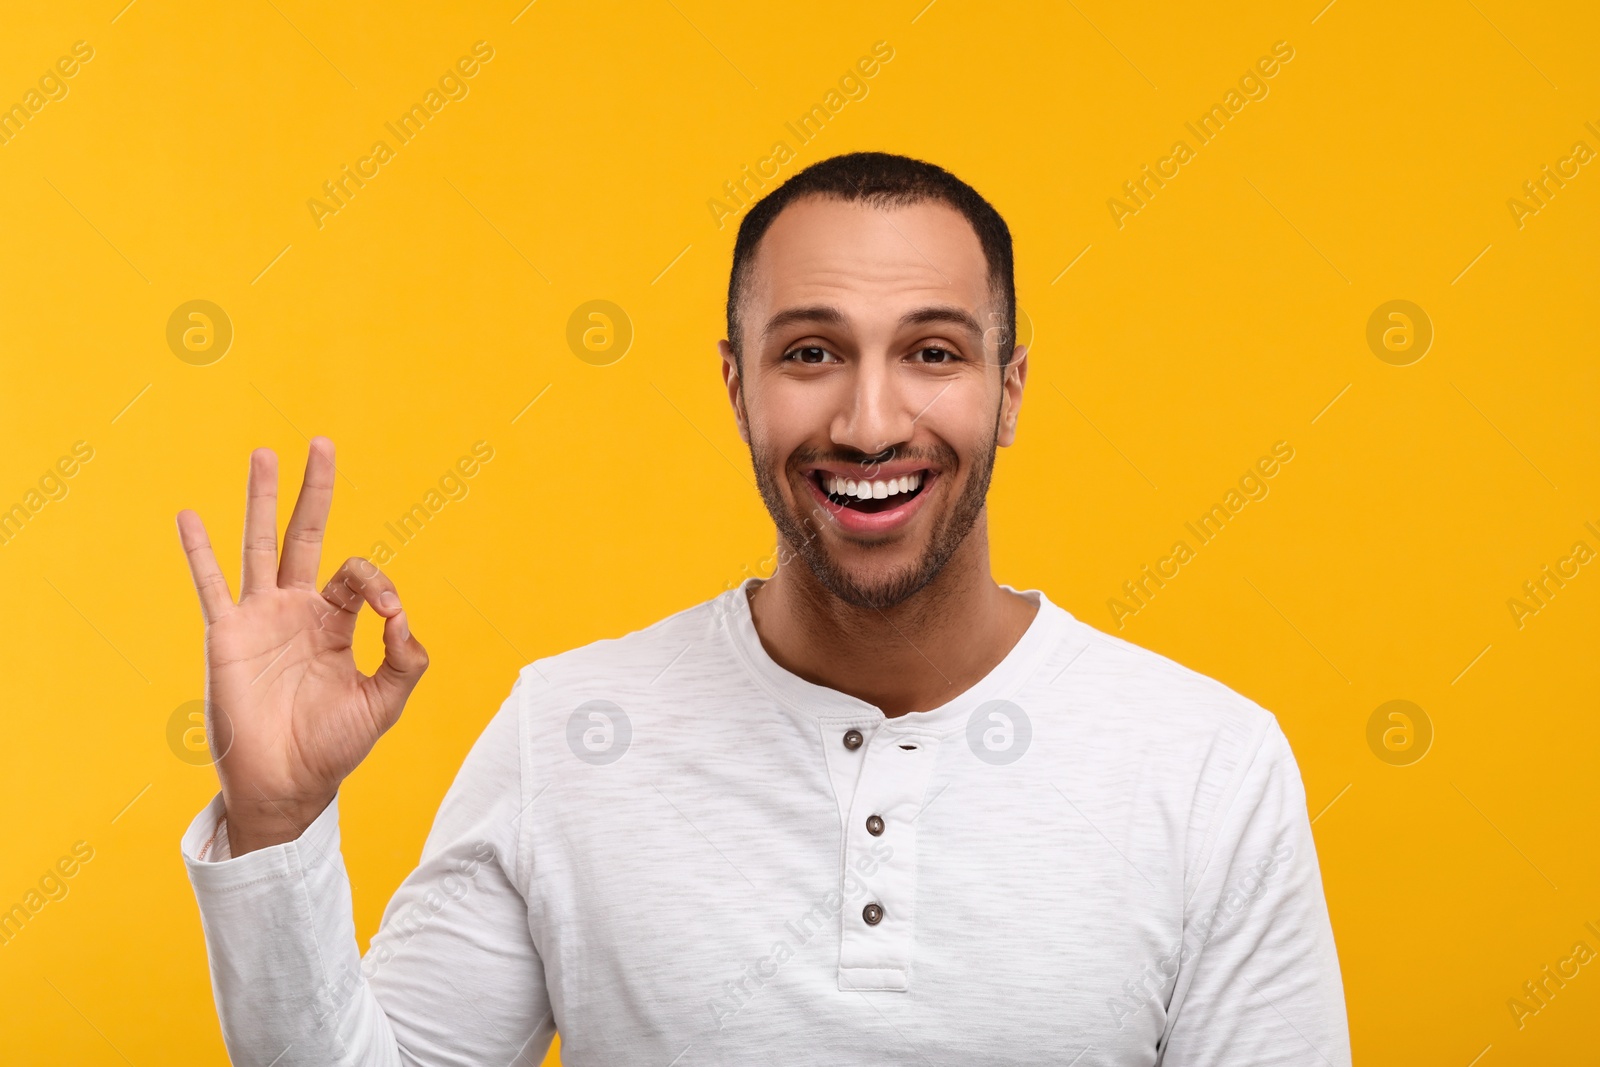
column 288, row 713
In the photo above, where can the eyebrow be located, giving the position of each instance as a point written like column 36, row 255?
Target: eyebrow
column 828, row 315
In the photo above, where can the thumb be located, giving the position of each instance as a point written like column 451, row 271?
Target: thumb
column 404, row 660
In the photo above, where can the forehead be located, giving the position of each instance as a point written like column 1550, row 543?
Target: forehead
column 871, row 262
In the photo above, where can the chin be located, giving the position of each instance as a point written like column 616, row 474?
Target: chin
column 874, row 550
column 877, row 585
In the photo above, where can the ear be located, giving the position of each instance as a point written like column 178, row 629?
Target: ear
column 1016, row 373
column 735, row 387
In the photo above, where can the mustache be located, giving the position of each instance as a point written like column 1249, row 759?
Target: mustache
column 942, row 456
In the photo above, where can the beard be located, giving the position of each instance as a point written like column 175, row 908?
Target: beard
column 802, row 530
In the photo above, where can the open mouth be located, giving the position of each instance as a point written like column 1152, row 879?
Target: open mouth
column 870, row 495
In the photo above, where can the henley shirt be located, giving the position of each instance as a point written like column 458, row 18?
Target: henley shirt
column 675, row 852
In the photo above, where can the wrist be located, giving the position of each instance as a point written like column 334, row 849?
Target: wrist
column 265, row 823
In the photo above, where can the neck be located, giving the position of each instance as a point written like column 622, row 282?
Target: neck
column 913, row 656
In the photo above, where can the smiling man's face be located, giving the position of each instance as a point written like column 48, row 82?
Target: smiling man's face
column 870, row 393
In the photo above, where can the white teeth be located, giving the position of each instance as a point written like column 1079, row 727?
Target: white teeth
column 863, row 489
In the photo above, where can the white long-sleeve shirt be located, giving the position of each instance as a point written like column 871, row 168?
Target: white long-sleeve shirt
column 676, row 852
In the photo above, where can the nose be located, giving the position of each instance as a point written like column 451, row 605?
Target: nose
column 876, row 413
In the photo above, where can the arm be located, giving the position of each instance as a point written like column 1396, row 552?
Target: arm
column 1259, row 980
column 452, row 975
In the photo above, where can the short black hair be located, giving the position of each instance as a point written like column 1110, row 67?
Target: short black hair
column 881, row 179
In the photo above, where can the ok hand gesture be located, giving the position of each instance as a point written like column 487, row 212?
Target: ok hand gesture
column 288, row 713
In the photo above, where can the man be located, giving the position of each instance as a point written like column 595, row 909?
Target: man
column 876, row 809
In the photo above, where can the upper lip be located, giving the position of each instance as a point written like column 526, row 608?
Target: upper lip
column 872, row 472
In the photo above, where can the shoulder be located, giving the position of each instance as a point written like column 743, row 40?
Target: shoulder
column 1145, row 675
column 1203, row 747
column 1141, row 681
column 630, row 663
column 1137, row 700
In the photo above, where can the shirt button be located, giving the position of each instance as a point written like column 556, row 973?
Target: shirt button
column 873, row 914
column 852, row 739
column 875, row 825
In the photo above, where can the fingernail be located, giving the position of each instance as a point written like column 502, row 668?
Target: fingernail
column 388, row 600
column 402, row 628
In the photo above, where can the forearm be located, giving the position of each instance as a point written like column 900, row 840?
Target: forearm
column 285, row 964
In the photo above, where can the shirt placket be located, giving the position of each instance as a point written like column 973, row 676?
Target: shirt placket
column 880, row 775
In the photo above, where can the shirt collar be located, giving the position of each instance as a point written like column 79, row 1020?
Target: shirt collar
column 820, row 702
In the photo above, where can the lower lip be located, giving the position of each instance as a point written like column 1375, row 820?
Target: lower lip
column 873, row 522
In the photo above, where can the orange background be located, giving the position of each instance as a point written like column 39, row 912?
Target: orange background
column 1230, row 312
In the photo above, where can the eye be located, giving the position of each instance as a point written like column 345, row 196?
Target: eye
column 934, row 354
column 809, row 354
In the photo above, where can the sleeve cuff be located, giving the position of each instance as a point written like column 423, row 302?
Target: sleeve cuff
column 211, row 863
